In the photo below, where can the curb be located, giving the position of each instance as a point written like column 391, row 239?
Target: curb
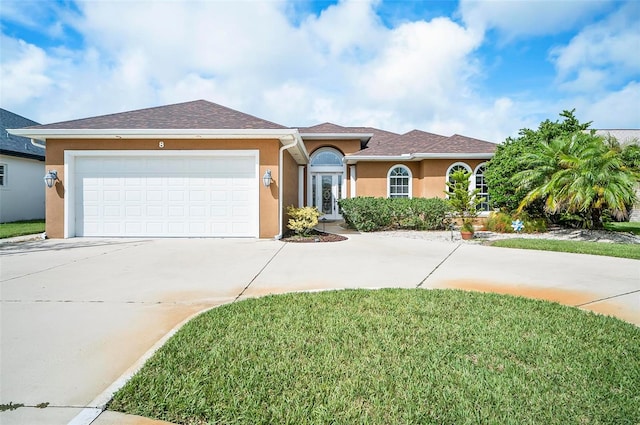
column 24, row 238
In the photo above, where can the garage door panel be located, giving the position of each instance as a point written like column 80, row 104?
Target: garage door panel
column 133, row 195
column 166, row 196
column 176, row 195
column 153, row 211
column 197, row 195
column 133, row 211
column 177, row 211
column 109, row 211
column 218, row 212
column 133, row 228
column 175, row 228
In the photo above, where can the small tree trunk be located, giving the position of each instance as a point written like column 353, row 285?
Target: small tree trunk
column 596, row 218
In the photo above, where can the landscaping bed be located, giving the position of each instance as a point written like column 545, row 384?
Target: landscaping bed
column 313, row 237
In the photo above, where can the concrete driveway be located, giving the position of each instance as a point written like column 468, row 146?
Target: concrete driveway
column 77, row 315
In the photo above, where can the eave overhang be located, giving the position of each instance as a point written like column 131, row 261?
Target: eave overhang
column 363, row 137
column 352, row 159
column 22, row 155
column 298, row 152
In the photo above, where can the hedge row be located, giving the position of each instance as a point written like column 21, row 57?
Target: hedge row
column 367, row 214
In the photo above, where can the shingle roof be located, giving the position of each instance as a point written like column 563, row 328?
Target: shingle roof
column 199, row 114
column 16, row 145
column 422, row 142
column 378, row 135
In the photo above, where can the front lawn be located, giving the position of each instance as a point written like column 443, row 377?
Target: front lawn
column 392, row 356
column 623, row 227
column 578, row 247
column 19, row 228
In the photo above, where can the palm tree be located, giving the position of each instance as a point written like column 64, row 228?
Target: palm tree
column 579, row 174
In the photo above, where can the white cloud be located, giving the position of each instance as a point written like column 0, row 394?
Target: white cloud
column 604, row 54
column 23, row 71
column 618, row 109
column 342, row 65
column 350, row 29
column 529, row 18
column 427, row 60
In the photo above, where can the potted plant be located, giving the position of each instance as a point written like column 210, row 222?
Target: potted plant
column 463, row 202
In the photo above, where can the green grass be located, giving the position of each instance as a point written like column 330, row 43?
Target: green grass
column 19, row 228
column 578, row 247
column 623, row 227
column 392, row 357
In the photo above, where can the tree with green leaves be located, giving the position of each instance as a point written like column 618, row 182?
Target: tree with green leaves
column 630, row 154
column 463, row 202
column 507, row 161
column 580, row 174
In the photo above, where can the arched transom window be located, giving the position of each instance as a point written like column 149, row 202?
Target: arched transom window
column 399, row 182
column 327, row 158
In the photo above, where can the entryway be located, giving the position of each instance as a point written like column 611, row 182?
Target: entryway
column 326, row 190
column 326, row 182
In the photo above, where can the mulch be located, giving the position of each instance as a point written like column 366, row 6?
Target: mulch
column 314, row 237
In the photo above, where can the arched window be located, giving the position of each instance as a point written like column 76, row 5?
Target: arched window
column 481, row 185
column 326, row 157
column 456, row 167
column 399, row 182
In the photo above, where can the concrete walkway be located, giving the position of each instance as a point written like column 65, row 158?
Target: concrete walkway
column 78, row 315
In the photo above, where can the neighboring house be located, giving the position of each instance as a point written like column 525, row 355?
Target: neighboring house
column 626, row 137
column 21, row 172
column 203, row 170
column 623, row 136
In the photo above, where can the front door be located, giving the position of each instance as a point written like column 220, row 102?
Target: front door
column 326, row 191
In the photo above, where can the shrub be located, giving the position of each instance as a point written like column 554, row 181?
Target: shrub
column 419, row 213
column 501, row 222
column 302, row 220
column 368, row 214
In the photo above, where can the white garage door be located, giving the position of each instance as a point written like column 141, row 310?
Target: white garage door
column 167, row 196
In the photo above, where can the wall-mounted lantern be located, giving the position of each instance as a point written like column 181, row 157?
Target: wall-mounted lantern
column 51, row 178
column 266, row 179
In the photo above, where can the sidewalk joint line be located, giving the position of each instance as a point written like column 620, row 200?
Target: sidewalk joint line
column 77, row 260
column 439, row 264
column 607, row 298
column 259, row 272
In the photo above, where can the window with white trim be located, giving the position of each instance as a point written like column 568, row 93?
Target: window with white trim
column 481, row 185
column 3, row 175
column 327, row 157
column 399, row 182
column 458, row 166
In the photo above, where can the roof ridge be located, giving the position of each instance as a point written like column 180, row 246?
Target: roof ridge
column 128, row 112
column 197, row 114
column 471, row 138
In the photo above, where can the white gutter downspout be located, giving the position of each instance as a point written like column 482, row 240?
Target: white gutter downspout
column 280, row 184
column 38, row 145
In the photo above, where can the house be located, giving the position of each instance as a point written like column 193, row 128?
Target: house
column 198, row 169
column 626, row 137
column 21, row 171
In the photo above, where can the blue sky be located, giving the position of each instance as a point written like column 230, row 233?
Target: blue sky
column 480, row 68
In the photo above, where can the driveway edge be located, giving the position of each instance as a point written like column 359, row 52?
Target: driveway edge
column 98, row 405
